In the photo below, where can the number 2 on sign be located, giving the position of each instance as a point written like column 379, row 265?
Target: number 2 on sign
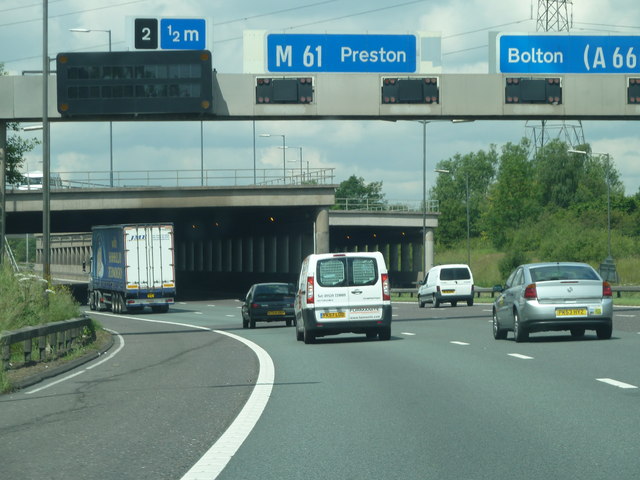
column 309, row 57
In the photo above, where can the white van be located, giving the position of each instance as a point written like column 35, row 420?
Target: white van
column 34, row 181
column 447, row 284
column 343, row 292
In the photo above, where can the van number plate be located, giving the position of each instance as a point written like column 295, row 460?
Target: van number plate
column 150, row 295
column 332, row 315
column 448, row 291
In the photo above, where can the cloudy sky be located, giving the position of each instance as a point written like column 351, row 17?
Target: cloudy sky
column 390, row 152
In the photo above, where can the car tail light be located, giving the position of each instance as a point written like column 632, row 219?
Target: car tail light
column 606, row 289
column 530, row 292
column 255, row 305
column 310, row 294
column 386, row 292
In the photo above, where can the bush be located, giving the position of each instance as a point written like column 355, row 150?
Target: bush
column 510, row 261
column 27, row 299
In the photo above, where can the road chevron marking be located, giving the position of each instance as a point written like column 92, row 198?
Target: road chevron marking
column 520, row 356
column 615, row 383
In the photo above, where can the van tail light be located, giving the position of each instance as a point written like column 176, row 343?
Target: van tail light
column 530, row 292
column 606, row 290
column 310, row 293
column 386, row 291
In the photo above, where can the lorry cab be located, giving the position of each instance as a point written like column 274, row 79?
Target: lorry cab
column 343, row 292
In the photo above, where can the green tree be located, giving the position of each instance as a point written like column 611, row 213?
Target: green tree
column 512, row 198
column 468, row 175
column 354, row 191
column 16, row 148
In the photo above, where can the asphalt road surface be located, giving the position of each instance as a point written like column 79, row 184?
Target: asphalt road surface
column 441, row 400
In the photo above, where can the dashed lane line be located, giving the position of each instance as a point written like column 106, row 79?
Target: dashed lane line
column 520, row 356
column 616, row 383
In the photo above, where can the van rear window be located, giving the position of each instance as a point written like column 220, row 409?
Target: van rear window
column 457, row 273
column 347, row 272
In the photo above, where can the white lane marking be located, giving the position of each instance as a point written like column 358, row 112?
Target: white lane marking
column 459, row 343
column 68, row 377
column 485, row 310
column 615, row 383
column 232, row 316
column 211, row 305
column 197, row 313
column 220, row 453
column 520, row 356
column 408, row 333
column 623, row 315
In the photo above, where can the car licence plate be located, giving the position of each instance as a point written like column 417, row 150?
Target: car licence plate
column 332, row 315
column 275, row 312
column 448, row 291
column 150, row 295
column 571, row 312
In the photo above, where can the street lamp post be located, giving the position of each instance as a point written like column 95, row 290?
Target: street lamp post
column 301, row 169
column 284, row 155
column 608, row 180
column 89, row 30
column 424, row 184
column 466, row 184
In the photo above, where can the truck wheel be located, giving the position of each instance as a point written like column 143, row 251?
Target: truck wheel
column 92, row 300
column 115, row 303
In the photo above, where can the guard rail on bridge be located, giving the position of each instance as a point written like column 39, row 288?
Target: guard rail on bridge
column 188, row 178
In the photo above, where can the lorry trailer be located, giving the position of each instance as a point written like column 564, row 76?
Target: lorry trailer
column 132, row 266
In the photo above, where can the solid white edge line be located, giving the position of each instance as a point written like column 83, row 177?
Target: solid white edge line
column 615, row 383
column 218, row 456
column 68, row 377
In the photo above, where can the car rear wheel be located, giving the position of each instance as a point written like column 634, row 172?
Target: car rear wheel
column 384, row 333
column 245, row 323
column 288, row 323
column 470, row 303
column 519, row 332
column 308, row 336
column 436, row 302
column 498, row 332
column 577, row 332
column 299, row 335
column 604, row 333
column 454, row 304
column 252, row 323
column 420, row 302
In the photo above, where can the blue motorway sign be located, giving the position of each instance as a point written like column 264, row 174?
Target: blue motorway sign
column 183, row 34
column 568, row 53
column 341, row 53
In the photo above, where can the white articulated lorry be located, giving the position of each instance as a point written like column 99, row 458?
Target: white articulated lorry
column 132, row 266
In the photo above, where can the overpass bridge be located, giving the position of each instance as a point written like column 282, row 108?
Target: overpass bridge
column 228, row 237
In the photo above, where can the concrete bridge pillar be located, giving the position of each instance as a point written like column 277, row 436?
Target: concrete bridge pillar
column 322, row 231
column 428, row 254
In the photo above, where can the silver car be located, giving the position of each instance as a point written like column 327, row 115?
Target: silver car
column 539, row 297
